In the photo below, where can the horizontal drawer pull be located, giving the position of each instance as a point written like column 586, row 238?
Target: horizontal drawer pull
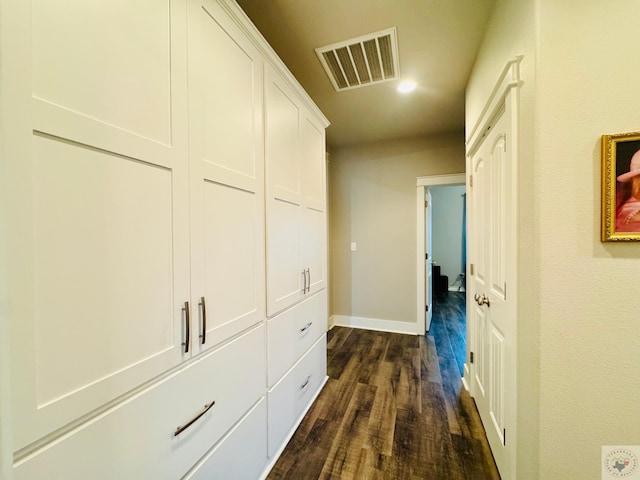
column 306, row 327
column 306, row 382
column 182, row 428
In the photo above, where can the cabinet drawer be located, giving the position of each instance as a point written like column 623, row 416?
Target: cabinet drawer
column 136, row 438
column 291, row 333
column 291, row 396
column 242, row 454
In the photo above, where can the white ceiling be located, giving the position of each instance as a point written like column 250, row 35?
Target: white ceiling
column 437, row 42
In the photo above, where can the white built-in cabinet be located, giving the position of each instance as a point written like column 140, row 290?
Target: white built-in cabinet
column 166, row 265
column 296, row 197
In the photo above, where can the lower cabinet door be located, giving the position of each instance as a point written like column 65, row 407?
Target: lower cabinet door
column 290, row 397
column 242, row 454
column 138, row 438
column 291, row 333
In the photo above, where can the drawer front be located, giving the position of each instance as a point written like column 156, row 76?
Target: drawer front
column 291, row 396
column 290, row 334
column 136, row 439
column 242, row 454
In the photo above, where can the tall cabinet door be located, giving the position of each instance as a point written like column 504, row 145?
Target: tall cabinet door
column 314, row 228
column 286, row 278
column 227, row 176
column 98, row 252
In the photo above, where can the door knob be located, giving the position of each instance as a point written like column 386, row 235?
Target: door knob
column 482, row 300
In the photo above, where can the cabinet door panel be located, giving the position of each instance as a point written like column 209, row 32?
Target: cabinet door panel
column 227, row 173
column 289, row 399
column 242, row 454
column 90, row 58
column 100, row 222
column 136, row 439
column 291, row 333
column 282, row 127
column 285, row 275
column 313, row 162
column 104, row 273
column 314, row 248
column 233, row 261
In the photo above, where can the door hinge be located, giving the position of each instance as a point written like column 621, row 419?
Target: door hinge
column 471, row 357
column 426, row 308
column 471, row 180
column 471, row 269
column 426, row 204
column 504, row 437
column 426, row 256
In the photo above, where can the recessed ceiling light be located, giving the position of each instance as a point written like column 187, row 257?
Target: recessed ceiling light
column 406, row 87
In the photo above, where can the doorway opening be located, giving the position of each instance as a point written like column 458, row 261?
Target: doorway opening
column 448, row 253
column 441, row 252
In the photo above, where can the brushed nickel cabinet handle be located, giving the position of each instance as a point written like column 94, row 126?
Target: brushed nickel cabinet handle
column 182, row 428
column 187, row 339
column 306, row 327
column 309, row 280
column 306, row 382
column 203, row 306
column 304, row 281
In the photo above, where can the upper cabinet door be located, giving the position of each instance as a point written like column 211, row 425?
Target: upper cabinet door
column 313, row 163
column 314, row 218
column 286, row 276
column 99, row 247
column 296, row 197
column 227, row 176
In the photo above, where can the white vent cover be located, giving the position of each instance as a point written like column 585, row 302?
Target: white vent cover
column 361, row 61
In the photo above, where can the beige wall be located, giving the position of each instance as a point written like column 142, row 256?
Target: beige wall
column 588, row 74
column 578, row 317
column 373, row 202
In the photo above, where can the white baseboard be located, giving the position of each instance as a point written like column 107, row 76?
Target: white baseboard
column 379, row 324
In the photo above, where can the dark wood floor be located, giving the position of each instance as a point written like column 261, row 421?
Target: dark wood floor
column 393, row 408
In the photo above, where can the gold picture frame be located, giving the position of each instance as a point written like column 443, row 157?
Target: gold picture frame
column 621, row 187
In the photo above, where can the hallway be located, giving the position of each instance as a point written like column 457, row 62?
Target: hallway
column 393, row 408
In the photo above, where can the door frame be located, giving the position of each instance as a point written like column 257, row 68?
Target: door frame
column 505, row 95
column 422, row 185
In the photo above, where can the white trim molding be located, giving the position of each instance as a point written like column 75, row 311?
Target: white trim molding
column 394, row 326
column 508, row 79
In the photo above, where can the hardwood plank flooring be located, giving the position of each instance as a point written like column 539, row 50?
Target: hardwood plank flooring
column 393, row 408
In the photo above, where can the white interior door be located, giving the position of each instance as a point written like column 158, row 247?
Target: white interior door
column 428, row 213
column 493, row 312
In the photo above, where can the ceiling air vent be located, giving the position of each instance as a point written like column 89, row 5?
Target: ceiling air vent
column 361, row 61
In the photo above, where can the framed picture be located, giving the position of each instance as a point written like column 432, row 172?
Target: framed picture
column 621, row 187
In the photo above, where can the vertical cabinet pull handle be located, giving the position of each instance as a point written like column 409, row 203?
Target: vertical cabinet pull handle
column 187, row 330
column 203, row 306
column 306, row 327
column 309, row 285
column 304, row 281
column 182, row 428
